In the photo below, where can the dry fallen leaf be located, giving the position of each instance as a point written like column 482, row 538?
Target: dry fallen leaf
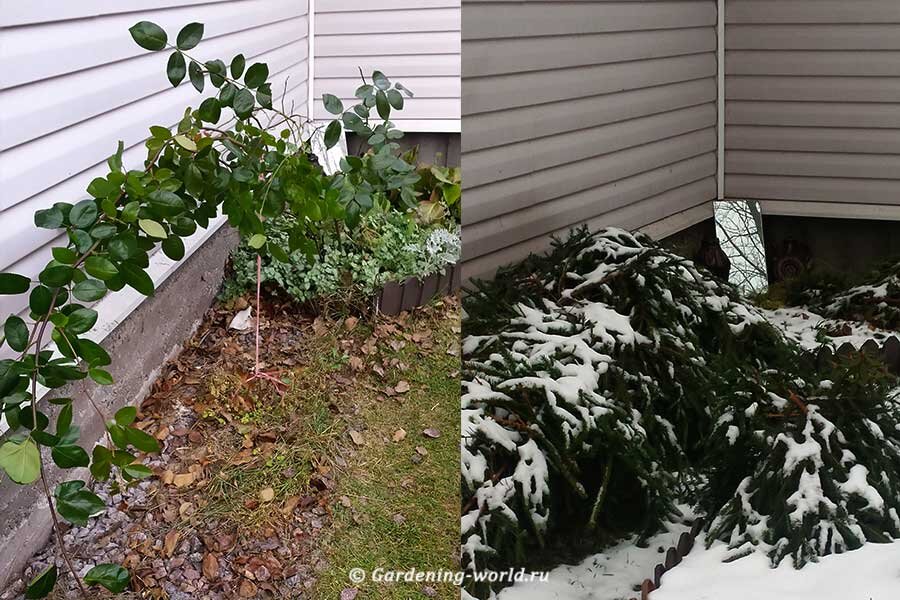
column 248, row 589
column 349, row 593
column 290, row 504
column 345, row 501
column 356, row 363
column 171, row 541
column 183, row 479
column 432, row 433
column 210, row 566
column 350, row 323
column 399, row 435
column 357, row 437
column 421, row 451
column 402, row 387
column 267, row 494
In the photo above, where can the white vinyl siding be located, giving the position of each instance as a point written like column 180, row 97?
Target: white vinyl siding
column 416, row 43
column 73, row 83
column 595, row 112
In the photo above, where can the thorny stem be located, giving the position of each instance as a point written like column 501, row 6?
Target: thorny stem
column 40, row 327
column 258, row 308
column 56, row 525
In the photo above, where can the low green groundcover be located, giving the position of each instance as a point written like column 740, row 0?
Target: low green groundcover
column 352, row 264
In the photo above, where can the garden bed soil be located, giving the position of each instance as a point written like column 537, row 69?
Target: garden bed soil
column 248, row 482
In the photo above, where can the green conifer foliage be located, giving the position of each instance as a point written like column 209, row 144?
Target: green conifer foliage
column 611, row 378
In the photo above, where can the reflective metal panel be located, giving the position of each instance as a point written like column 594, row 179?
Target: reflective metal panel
column 740, row 232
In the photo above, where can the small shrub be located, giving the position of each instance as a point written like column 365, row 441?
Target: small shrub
column 875, row 300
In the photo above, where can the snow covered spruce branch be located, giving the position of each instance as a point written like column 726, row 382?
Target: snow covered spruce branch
column 604, row 380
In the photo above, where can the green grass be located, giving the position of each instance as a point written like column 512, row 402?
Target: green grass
column 303, row 433
column 382, row 481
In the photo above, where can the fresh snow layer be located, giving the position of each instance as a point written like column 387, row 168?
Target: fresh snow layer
column 804, row 327
column 869, row 573
column 610, row 575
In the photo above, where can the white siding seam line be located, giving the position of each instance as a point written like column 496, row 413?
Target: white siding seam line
column 720, row 100
column 311, row 60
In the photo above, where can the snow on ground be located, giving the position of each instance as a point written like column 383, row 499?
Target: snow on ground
column 869, row 573
column 610, row 575
column 806, row 327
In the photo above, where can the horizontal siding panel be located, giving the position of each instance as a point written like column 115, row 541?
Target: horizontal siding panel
column 15, row 12
column 72, row 46
column 806, row 63
column 813, row 89
column 506, row 162
column 493, row 129
column 484, row 94
column 813, row 164
column 493, row 57
column 813, row 139
column 411, row 20
column 778, row 12
column 813, row 114
column 329, row 6
column 499, row 198
column 31, row 111
column 414, row 43
column 440, row 42
column 592, row 112
column 813, row 37
column 813, row 100
column 515, row 227
column 490, row 21
column 394, row 66
column 632, row 216
column 814, row 189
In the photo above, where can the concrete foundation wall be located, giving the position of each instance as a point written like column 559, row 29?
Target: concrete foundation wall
column 139, row 346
